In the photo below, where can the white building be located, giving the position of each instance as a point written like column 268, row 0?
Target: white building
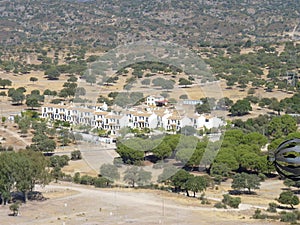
column 135, row 118
column 156, row 101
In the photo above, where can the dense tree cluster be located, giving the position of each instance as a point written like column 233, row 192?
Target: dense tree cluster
column 238, row 151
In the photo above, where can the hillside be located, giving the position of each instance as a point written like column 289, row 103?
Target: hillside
column 110, row 23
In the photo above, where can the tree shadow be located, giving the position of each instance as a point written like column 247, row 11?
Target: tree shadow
column 285, row 207
column 31, row 196
column 239, row 192
column 36, row 196
column 296, row 192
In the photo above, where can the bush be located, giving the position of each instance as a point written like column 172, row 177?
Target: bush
column 15, row 208
column 257, row 215
column 76, row 178
column 202, row 197
column 272, row 207
column 87, row 180
column 220, row 205
column 205, row 202
column 233, row 202
column 288, row 217
column 101, row 182
column 297, row 213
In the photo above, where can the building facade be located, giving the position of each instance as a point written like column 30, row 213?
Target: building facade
column 139, row 118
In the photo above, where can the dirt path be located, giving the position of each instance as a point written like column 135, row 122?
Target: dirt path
column 15, row 135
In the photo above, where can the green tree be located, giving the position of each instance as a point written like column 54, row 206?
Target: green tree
column 3, row 119
column 240, row 108
column 24, row 124
column 30, row 168
column 184, row 82
column 129, row 155
column 245, row 181
column 167, row 85
column 7, row 181
column 281, row 126
column 135, row 175
column 203, row 108
column 163, row 150
column 183, row 96
column 146, row 82
column 165, row 176
column 144, row 177
column 76, row 155
column 3, row 93
column 32, row 101
column 179, row 180
column 109, row 171
column 41, row 142
column 219, row 169
column 52, row 73
column 59, row 161
column 196, row 184
column 5, row 82
column 270, row 86
column 91, row 79
column 288, row 198
column 33, row 79
column 224, row 103
column 80, row 91
column 17, row 97
column 72, row 79
column 56, row 173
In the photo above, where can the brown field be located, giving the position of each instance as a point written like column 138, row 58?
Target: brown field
column 77, row 205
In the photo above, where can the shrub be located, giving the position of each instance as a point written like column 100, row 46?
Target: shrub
column 87, row 180
column 205, row 202
column 15, row 208
column 233, row 202
column 220, row 205
column 288, row 217
column 101, row 182
column 272, row 207
column 297, row 213
column 257, row 215
column 76, row 178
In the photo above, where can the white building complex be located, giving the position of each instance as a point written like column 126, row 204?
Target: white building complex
column 137, row 117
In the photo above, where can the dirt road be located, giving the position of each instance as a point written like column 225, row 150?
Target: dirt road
column 81, row 205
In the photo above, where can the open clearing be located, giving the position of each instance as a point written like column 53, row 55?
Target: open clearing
column 82, row 205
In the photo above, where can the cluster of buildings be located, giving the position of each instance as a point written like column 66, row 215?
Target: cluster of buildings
column 154, row 114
